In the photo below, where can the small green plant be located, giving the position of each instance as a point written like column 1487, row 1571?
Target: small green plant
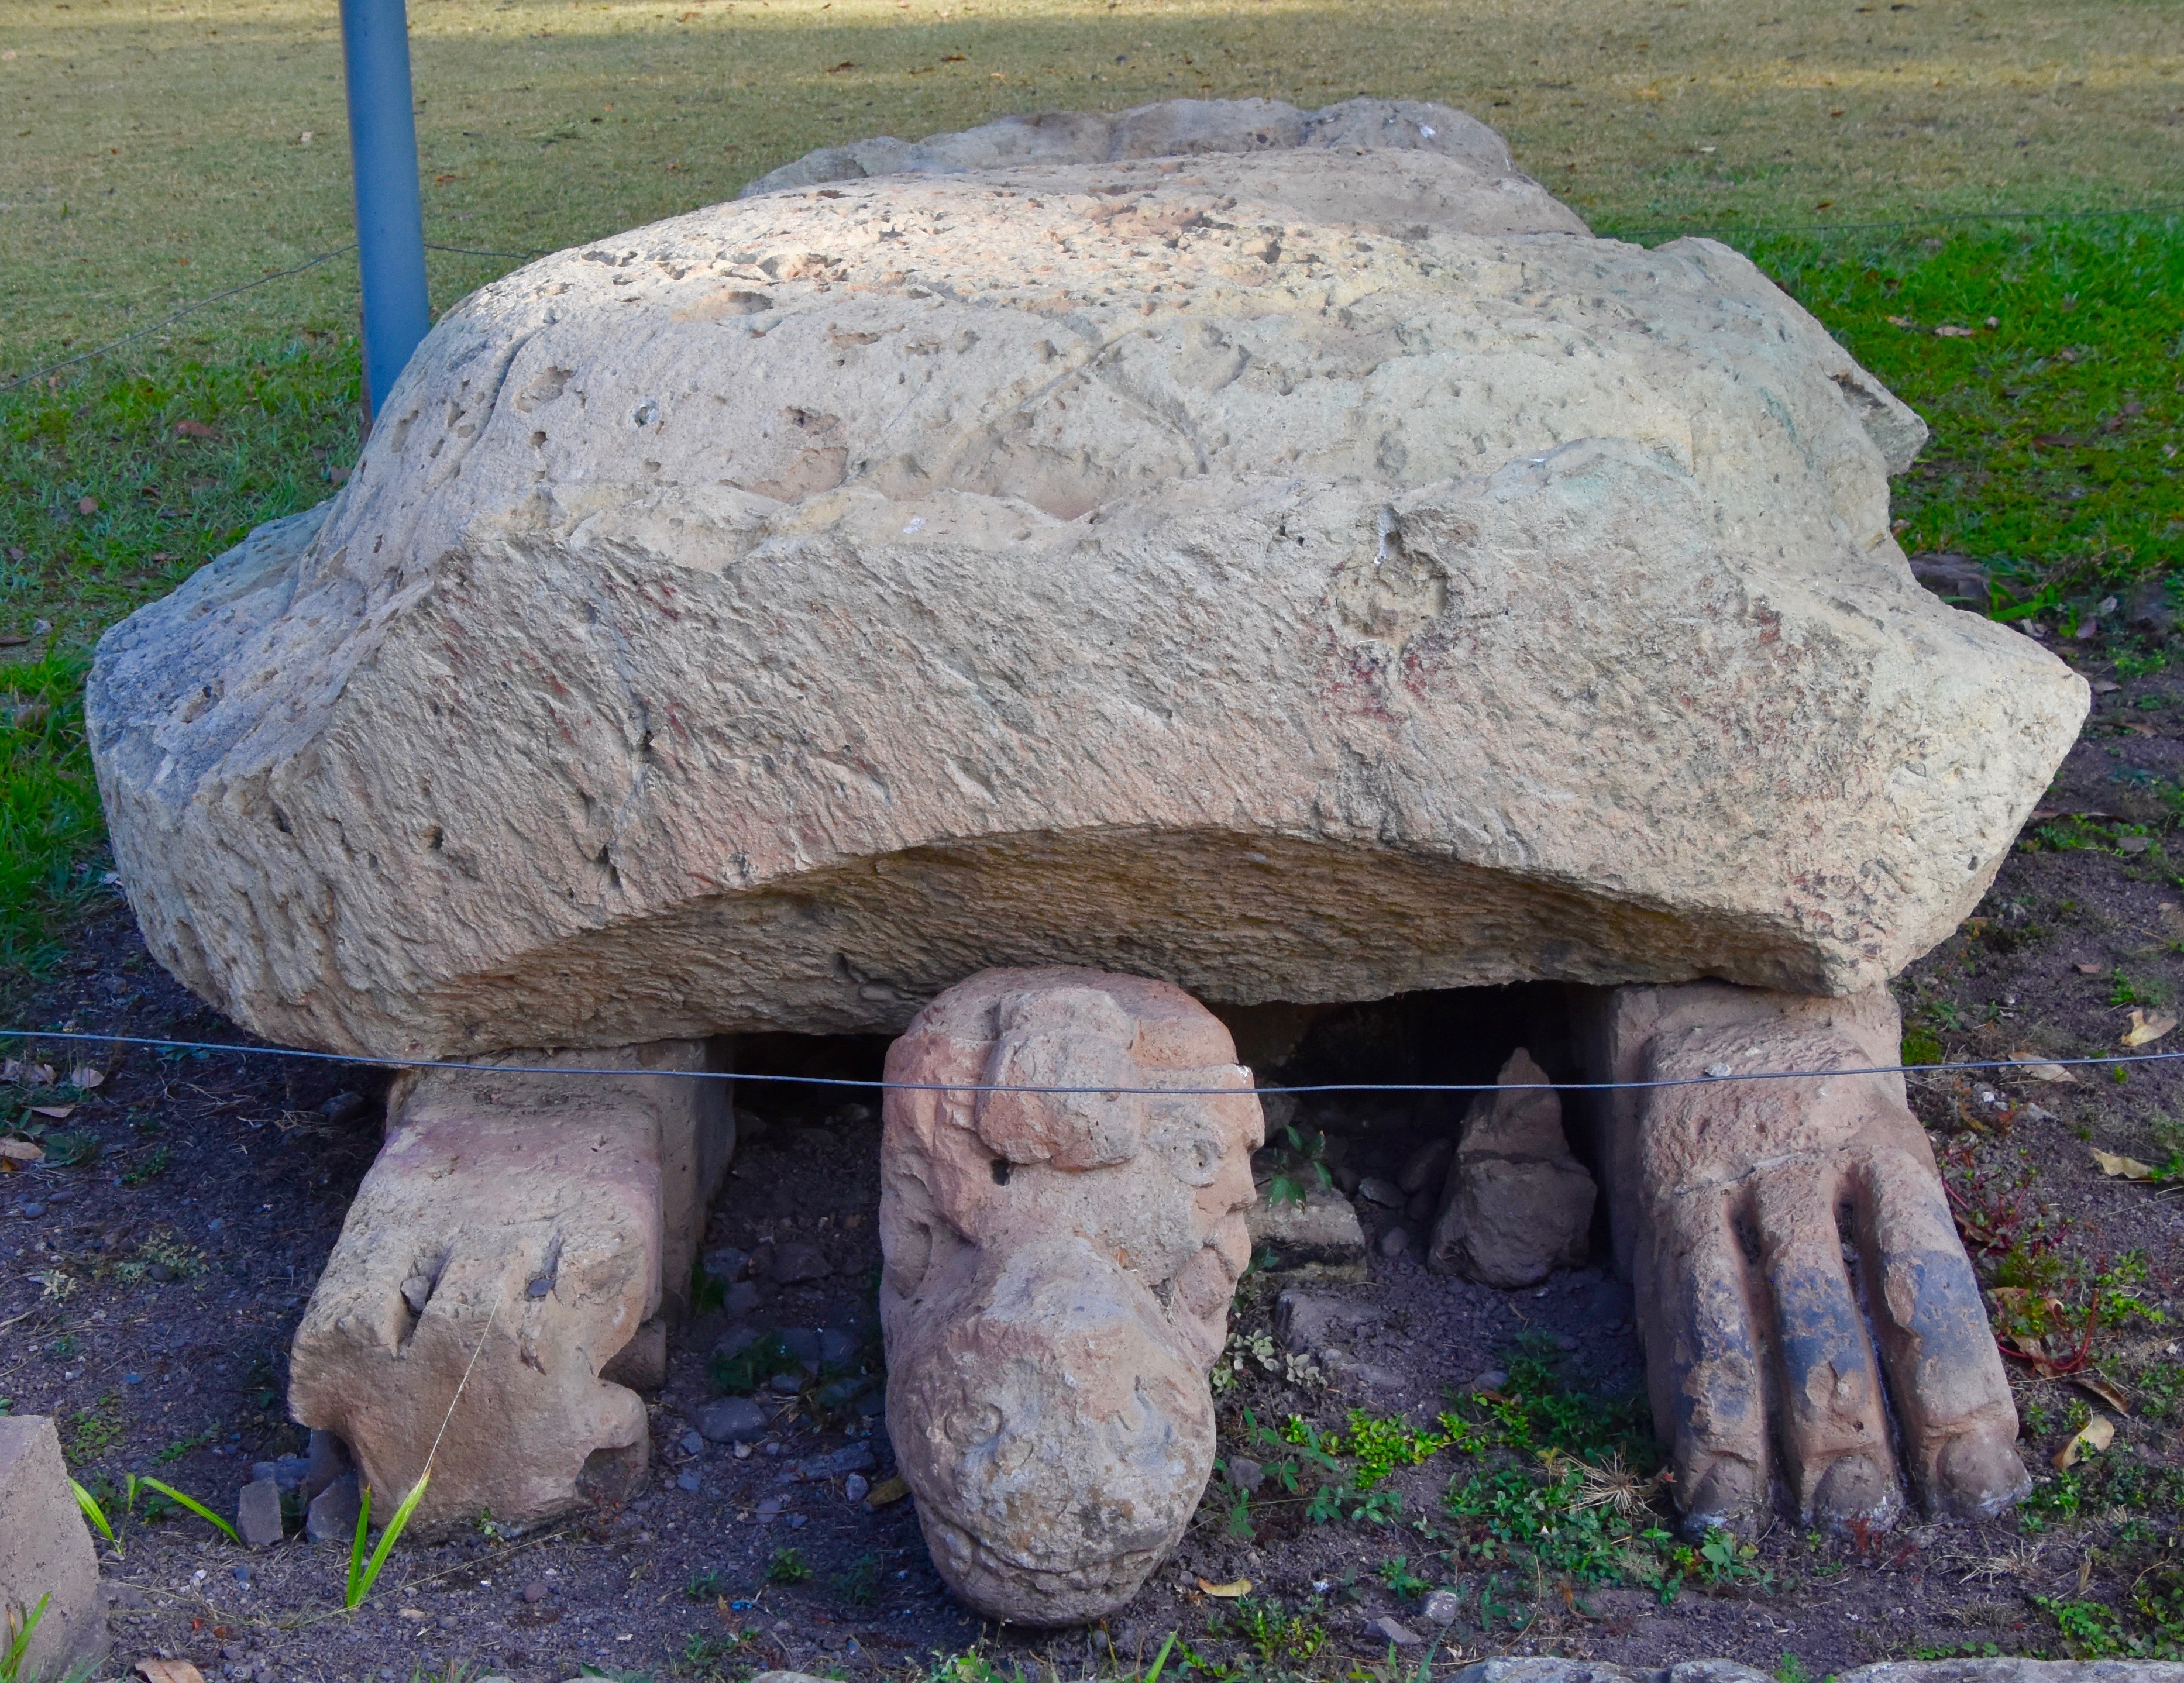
column 1274, row 1633
column 1299, row 1167
column 1403, row 1583
column 1788, row 1668
column 706, row 1586
column 751, row 1368
column 94, row 1430
column 96, row 1515
column 787, row 1566
column 150, row 1166
column 18, row 1626
column 193, row 1505
column 859, row 1583
column 1921, row 1046
column 185, row 1446
column 363, row 1572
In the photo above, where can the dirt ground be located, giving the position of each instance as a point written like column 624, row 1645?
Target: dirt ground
column 148, row 1294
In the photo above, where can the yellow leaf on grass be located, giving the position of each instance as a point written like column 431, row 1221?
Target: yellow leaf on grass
column 20, row 1150
column 169, row 1671
column 2094, row 1385
column 2124, row 1168
column 1952, row 332
column 2099, row 1433
column 1228, row 1592
column 2145, row 1030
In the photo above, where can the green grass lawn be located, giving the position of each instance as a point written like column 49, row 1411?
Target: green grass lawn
column 2054, row 460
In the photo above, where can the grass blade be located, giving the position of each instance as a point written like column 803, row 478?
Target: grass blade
column 356, row 1549
column 19, row 1642
column 358, row 1590
column 95, row 1514
column 1160, row 1659
column 193, row 1505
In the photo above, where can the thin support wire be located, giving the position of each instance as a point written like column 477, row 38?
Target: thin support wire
column 1716, row 1075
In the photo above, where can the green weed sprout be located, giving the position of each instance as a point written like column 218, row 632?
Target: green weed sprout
column 364, row 1573
column 1160, row 1659
column 193, row 1505
column 96, row 1515
column 19, row 1640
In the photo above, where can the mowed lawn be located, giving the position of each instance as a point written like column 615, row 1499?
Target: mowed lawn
column 158, row 150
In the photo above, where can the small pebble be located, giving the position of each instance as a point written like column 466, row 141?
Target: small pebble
column 1492, row 1379
column 693, row 1443
column 795, row 1521
column 1394, row 1242
column 687, row 1481
column 855, row 1487
column 535, row 1592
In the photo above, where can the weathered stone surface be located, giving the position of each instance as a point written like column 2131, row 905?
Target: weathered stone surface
column 1306, row 575
column 2013, row 1670
column 1175, row 127
column 1998, row 1670
column 1057, row 1273
column 332, row 1516
column 46, row 1551
column 1704, row 1175
column 516, row 1234
column 1516, row 1206
column 1320, row 1239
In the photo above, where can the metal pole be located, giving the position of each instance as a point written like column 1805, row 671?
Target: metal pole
column 390, row 213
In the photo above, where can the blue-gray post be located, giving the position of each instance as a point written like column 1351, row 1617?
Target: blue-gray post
column 390, row 214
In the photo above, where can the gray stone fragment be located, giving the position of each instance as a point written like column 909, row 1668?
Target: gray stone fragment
column 1245, row 1474
column 332, row 1516
column 1394, row 1242
column 733, row 1420
column 1517, row 1205
column 795, row 1261
column 1308, row 1322
column 45, row 1550
column 1423, row 1169
column 726, row 1263
column 1319, row 1239
column 326, row 1458
column 1390, row 1629
column 258, row 1514
column 1385, row 1193
column 1443, row 1606
column 855, row 1457
column 2013, row 1670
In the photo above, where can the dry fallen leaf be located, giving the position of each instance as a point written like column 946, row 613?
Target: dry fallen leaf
column 2087, row 969
column 2094, row 1385
column 2125, row 1168
column 2032, row 1064
column 2099, row 1433
column 85, row 1078
column 887, row 1492
column 53, row 1112
column 1901, row 321
column 2145, row 1030
column 1952, row 333
column 1228, row 1592
column 169, row 1671
column 20, row 1150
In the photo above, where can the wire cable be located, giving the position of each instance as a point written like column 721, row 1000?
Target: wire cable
column 1716, row 1075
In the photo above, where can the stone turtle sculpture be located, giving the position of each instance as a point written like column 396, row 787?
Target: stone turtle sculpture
column 1281, row 554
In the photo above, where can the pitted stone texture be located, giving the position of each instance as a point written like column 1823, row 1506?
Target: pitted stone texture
column 1516, row 1206
column 46, row 1551
column 1306, row 575
column 1058, row 1271
column 1172, row 128
column 1999, row 1670
column 514, row 1239
column 1763, row 1223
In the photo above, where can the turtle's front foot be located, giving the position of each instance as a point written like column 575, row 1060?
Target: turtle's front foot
column 1805, row 1304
